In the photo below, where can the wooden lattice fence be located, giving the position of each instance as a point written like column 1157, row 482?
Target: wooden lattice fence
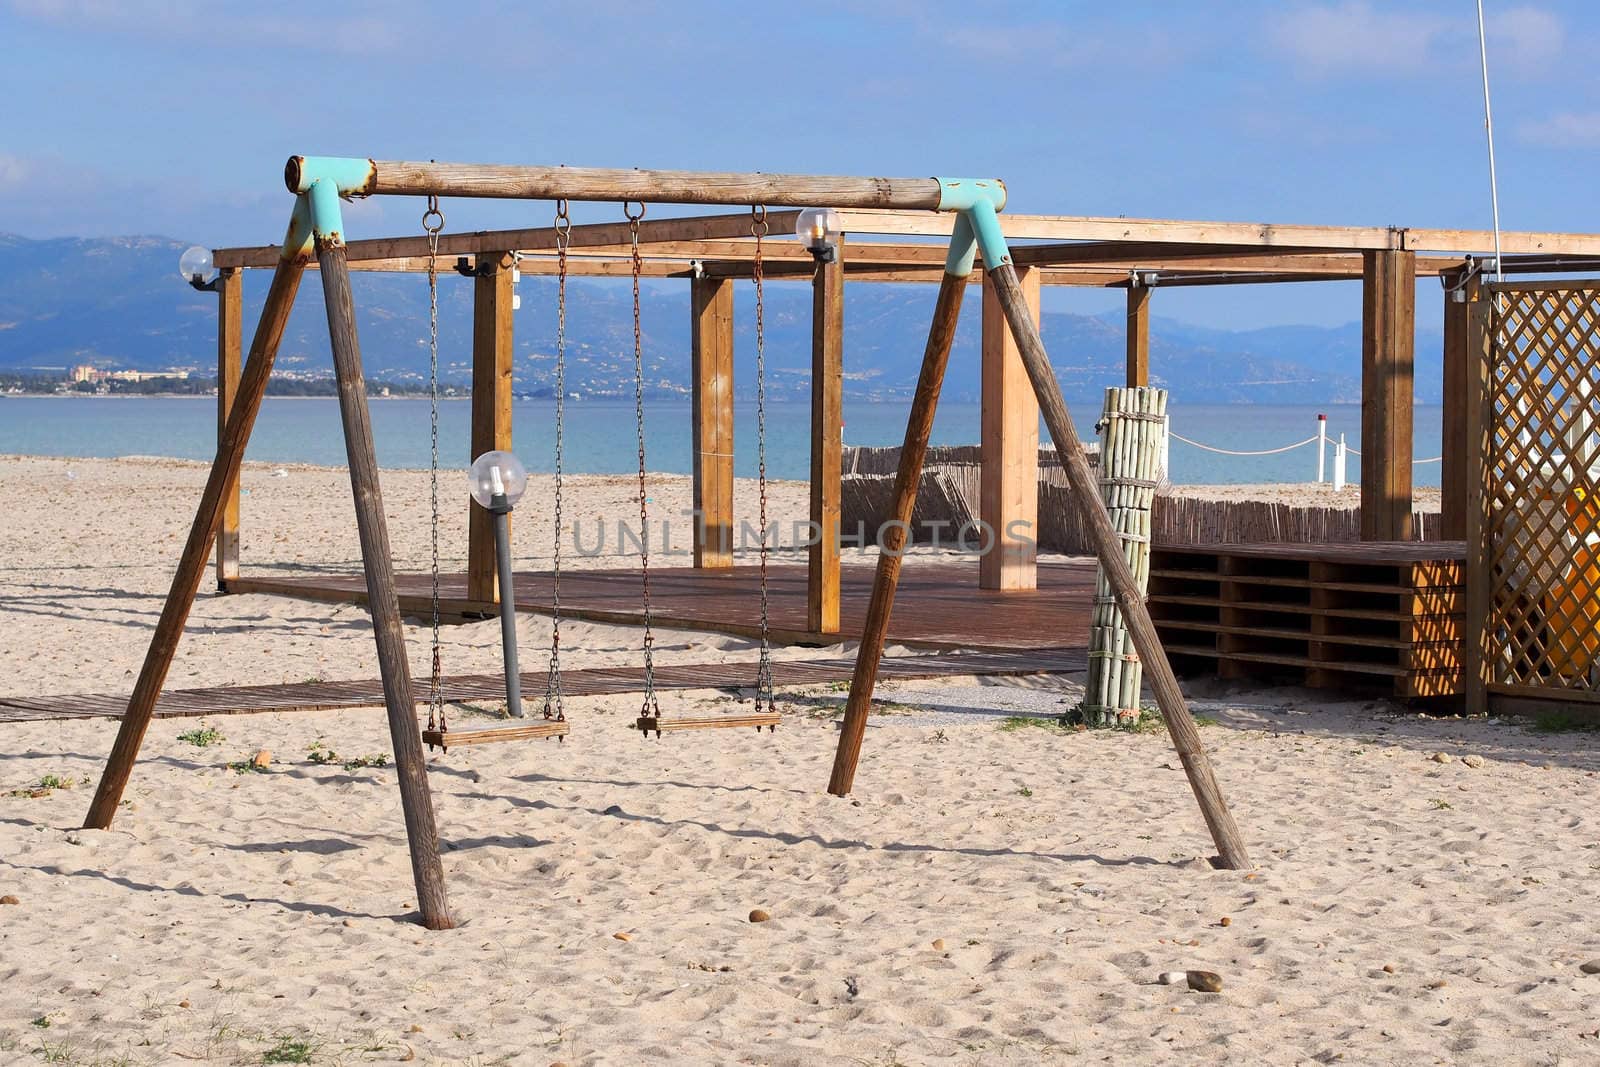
column 1534, row 581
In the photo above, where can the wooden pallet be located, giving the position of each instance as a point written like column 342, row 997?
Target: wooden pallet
column 1356, row 616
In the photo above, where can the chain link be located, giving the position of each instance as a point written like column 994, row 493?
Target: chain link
column 651, row 708
column 553, row 703
column 758, row 229
column 432, row 223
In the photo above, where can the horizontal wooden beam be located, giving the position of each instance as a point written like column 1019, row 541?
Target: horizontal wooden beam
column 413, row 178
column 600, row 234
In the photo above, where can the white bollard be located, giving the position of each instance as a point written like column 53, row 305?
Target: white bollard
column 1338, row 466
column 1322, row 445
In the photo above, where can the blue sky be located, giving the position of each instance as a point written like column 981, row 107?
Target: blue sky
column 174, row 117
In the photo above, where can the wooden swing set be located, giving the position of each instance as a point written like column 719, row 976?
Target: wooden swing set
column 316, row 230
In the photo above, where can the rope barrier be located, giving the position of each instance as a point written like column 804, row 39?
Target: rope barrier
column 1277, row 451
column 1231, row 452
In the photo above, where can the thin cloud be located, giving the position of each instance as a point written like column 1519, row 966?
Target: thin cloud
column 1568, row 129
column 192, row 22
column 1356, row 37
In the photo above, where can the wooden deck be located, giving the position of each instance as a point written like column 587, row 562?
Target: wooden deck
column 939, row 605
column 318, row 696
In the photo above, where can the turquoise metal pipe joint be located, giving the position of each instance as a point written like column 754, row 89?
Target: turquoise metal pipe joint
column 352, row 177
column 961, row 194
column 986, row 227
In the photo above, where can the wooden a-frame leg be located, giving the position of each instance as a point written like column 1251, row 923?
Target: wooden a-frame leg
column 892, row 539
column 415, row 799
column 1108, row 547
column 192, row 564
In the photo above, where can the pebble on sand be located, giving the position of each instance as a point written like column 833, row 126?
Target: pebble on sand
column 938, row 943
column 1472, row 761
column 1204, row 981
column 1442, row 757
column 622, row 936
column 261, row 760
column 9, row 899
column 759, row 916
column 1592, row 967
column 183, row 1003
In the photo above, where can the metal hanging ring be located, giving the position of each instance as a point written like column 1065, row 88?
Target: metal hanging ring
column 628, row 212
column 563, row 224
column 758, row 220
column 433, row 218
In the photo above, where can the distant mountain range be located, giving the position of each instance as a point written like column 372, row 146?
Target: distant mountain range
column 119, row 302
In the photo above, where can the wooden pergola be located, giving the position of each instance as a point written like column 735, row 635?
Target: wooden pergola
column 1139, row 256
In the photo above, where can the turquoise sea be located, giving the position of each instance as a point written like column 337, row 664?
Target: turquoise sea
column 600, row 435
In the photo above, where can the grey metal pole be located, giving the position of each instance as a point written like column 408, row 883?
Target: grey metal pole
column 508, row 608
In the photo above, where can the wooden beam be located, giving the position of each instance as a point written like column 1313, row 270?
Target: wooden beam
column 377, row 561
column 1138, row 336
column 492, row 352
column 415, row 178
column 1231, row 848
column 892, row 537
column 1455, row 464
column 230, row 342
column 1008, row 486
column 827, row 444
column 192, row 564
column 539, row 238
column 711, row 400
column 1104, row 228
column 1388, row 327
column 1477, row 660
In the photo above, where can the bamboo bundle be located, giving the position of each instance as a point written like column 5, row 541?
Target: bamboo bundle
column 1133, row 430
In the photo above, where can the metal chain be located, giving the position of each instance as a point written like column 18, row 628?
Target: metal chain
column 553, row 703
column 432, row 223
column 758, row 229
column 651, row 707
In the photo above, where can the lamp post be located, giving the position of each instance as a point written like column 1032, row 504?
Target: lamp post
column 196, row 268
column 818, row 228
column 498, row 480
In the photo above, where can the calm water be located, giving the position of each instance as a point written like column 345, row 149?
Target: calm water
column 600, row 433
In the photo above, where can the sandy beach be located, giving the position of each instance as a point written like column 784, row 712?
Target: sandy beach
column 995, row 891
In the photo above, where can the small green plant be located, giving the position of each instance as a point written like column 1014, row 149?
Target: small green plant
column 1024, row 792
column 202, row 736
column 1565, row 720
column 42, row 1022
column 1028, row 722
column 1151, row 722
column 48, row 784
column 288, row 1050
column 321, row 754
column 246, row 766
column 1440, row 805
column 380, row 759
column 55, row 1052
column 315, row 679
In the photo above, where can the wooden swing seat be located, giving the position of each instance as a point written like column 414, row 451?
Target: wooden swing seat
column 522, row 731
column 648, row 724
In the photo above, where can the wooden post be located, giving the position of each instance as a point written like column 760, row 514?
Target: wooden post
column 827, row 444
column 1477, row 666
column 383, row 604
column 192, row 564
column 1108, row 547
column 1008, row 487
column 1138, row 335
column 1456, row 464
column 711, row 371
column 1388, row 328
column 230, row 338
column 892, row 538
column 491, row 407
